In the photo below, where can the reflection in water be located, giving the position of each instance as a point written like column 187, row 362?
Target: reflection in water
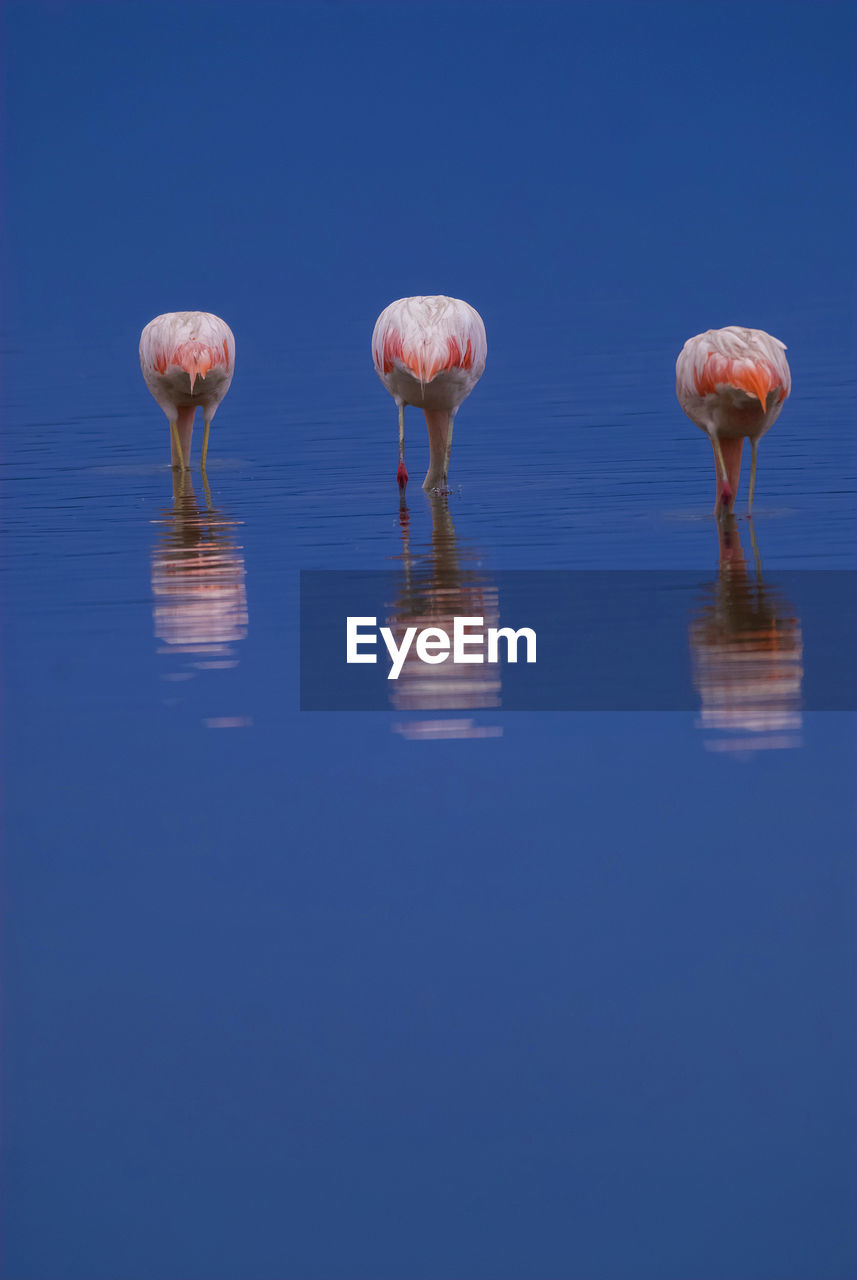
column 746, row 647
column 434, row 588
column 200, row 601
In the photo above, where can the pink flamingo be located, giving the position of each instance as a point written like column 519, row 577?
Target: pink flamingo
column 429, row 352
column 733, row 383
column 187, row 358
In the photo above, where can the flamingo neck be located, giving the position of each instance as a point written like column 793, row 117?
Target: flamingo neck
column 731, row 447
column 184, row 421
column 437, row 421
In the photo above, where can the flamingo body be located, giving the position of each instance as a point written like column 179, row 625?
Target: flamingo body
column 188, row 359
column 430, row 352
column 732, row 383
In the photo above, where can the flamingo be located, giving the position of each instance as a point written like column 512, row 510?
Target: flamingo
column 733, row 383
column 429, row 352
column 176, row 350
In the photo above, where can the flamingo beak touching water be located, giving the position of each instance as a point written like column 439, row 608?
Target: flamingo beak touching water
column 188, row 359
column 733, row 383
column 429, row 352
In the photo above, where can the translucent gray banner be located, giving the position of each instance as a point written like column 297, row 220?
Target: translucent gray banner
column 730, row 644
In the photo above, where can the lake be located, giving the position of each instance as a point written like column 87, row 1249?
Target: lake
column 444, row 989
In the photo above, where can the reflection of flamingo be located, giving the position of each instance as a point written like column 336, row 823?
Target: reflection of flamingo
column 733, row 383
column 198, row 581
column 747, row 649
column 176, row 349
column 429, row 352
column 434, row 589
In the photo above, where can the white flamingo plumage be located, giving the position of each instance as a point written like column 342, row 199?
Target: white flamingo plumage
column 188, row 359
column 429, row 352
column 733, row 383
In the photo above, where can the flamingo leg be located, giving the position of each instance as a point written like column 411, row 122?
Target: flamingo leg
column 445, row 481
column 177, row 444
column 402, row 472
column 207, row 426
column 754, row 444
column 718, row 453
column 207, row 491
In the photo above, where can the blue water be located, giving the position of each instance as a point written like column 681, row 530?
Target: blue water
column 442, row 992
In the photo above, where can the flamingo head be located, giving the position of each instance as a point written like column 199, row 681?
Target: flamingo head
column 402, row 476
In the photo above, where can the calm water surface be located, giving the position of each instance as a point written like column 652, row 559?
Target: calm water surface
column 508, row 974
column 441, row 992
